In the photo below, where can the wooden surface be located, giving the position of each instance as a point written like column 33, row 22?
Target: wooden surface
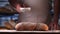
column 14, row 31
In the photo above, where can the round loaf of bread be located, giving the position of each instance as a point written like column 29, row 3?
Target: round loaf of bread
column 25, row 26
column 29, row 26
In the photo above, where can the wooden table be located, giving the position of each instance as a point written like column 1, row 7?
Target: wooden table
column 36, row 32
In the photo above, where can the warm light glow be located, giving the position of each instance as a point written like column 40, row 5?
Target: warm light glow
column 25, row 9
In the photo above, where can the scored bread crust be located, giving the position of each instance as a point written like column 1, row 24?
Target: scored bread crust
column 29, row 26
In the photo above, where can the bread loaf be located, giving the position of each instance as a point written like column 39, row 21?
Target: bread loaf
column 29, row 26
column 25, row 26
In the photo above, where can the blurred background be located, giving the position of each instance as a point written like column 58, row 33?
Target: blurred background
column 7, row 13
